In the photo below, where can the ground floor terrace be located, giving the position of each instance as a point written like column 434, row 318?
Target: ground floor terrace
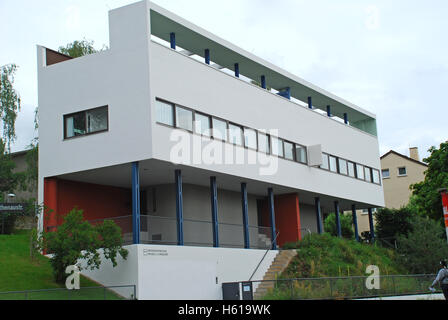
column 159, row 203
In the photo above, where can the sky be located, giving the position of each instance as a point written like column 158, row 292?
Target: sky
column 388, row 57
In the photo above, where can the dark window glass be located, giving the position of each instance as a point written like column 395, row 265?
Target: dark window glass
column 402, row 171
column 385, row 173
column 97, row 120
column 75, row 125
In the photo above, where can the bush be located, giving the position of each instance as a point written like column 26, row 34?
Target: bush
column 76, row 240
column 421, row 250
column 391, row 223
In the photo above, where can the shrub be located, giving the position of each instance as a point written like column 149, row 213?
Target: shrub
column 76, row 239
column 346, row 225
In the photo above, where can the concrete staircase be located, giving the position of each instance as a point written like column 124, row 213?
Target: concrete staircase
column 279, row 264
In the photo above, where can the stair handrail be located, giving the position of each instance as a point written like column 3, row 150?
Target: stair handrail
column 272, row 242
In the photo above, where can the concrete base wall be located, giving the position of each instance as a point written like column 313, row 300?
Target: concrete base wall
column 185, row 273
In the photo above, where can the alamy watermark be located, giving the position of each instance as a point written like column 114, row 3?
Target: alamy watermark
column 72, row 281
column 203, row 150
column 373, row 280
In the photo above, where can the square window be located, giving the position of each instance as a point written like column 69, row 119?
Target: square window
column 164, row 113
column 184, row 118
column 402, row 171
column 97, row 120
column 385, row 173
column 219, row 129
column 75, row 125
column 250, row 138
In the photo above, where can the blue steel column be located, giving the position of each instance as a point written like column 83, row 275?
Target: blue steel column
column 338, row 220
column 179, row 208
column 329, row 111
column 272, row 215
column 263, row 82
column 135, row 203
column 318, row 215
column 245, row 215
column 207, row 56
column 372, row 227
column 214, row 199
column 173, row 40
column 355, row 222
column 310, row 103
column 345, row 118
column 237, row 70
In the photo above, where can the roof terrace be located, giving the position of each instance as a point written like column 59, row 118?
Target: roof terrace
column 195, row 41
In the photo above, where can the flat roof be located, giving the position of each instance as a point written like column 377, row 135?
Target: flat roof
column 196, row 40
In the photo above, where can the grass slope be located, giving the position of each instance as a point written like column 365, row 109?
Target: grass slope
column 327, row 256
column 18, row 272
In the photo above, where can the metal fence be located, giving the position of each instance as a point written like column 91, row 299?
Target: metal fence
column 163, row 231
column 87, row 293
column 341, row 287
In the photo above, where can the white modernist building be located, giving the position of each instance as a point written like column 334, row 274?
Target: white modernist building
column 204, row 154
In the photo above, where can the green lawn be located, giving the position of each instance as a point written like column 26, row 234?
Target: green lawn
column 19, row 273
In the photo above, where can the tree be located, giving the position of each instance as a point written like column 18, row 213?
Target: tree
column 77, row 240
column 9, row 108
column 425, row 196
column 9, row 104
column 391, row 223
column 346, row 225
column 79, row 48
column 421, row 250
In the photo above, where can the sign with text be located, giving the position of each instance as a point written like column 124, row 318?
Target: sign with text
column 12, row 207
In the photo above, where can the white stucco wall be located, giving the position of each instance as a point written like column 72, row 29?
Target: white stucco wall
column 182, row 273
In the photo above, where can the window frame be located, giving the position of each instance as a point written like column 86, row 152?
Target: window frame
column 241, row 135
column 244, row 138
column 209, row 124
column 84, row 113
column 388, row 174
column 296, row 146
column 268, row 137
column 293, row 145
column 226, row 133
column 402, row 175
column 176, row 106
column 173, row 109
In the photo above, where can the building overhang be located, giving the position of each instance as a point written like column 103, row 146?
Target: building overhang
column 195, row 40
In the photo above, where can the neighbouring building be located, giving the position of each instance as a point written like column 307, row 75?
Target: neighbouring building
column 398, row 173
column 203, row 170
